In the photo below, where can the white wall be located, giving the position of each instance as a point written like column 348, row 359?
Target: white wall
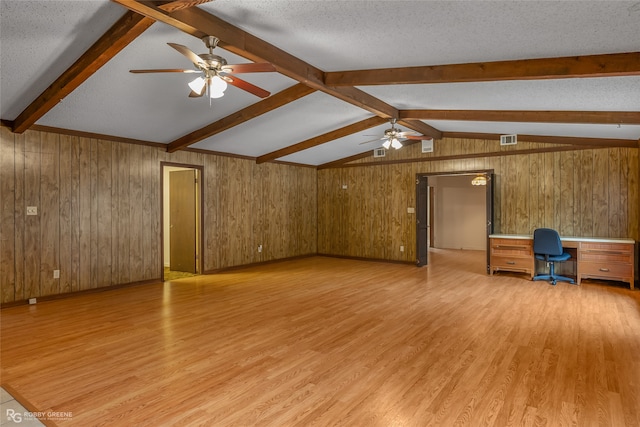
column 459, row 213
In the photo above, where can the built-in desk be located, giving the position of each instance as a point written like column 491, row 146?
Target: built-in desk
column 595, row 258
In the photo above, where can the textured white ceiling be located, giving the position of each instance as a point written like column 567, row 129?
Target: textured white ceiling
column 310, row 116
column 152, row 107
column 347, row 146
column 41, row 39
column 352, row 34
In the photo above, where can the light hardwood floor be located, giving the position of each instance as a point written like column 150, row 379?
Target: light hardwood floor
column 325, row 341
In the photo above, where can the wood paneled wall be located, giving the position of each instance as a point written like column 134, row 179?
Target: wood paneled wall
column 584, row 192
column 99, row 212
column 99, row 205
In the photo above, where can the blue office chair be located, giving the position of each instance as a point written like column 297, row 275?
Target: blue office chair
column 548, row 247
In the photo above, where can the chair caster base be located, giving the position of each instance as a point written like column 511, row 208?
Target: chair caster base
column 553, row 279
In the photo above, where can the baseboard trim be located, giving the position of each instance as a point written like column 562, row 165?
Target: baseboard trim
column 78, row 293
column 218, row 270
column 356, row 258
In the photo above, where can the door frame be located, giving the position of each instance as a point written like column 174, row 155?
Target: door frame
column 430, row 225
column 199, row 211
column 422, row 187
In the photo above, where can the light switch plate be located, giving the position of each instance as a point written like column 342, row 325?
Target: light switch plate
column 32, row 210
column 411, row 210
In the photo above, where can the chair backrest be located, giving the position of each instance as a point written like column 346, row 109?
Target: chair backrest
column 546, row 241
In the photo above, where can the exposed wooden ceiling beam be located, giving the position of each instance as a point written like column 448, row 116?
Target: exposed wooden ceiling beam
column 268, row 104
column 198, row 22
column 173, row 5
column 345, row 131
column 340, row 162
column 322, row 139
column 430, row 158
column 420, row 127
column 123, row 32
column 568, row 143
column 610, row 65
column 600, row 117
column 162, row 13
column 566, row 140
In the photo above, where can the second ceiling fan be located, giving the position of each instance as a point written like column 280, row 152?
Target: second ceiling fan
column 393, row 135
column 216, row 73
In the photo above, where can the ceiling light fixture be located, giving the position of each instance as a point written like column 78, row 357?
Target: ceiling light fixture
column 393, row 137
column 479, row 180
column 392, row 142
column 197, row 85
column 215, row 86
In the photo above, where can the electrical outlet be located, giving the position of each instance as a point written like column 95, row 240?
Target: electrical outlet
column 32, row 210
column 259, row 248
column 401, row 248
column 32, row 300
column 56, row 274
column 411, row 210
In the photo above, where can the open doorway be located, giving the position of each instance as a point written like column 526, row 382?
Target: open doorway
column 454, row 211
column 182, row 220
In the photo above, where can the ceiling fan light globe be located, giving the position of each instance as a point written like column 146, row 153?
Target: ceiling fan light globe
column 218, row 85
column 215, row 94
column 197, row 85
column 387, row 144
column 396, row 144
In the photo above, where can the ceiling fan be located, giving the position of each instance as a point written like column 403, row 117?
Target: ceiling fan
column 216, row 73
column 393, row 135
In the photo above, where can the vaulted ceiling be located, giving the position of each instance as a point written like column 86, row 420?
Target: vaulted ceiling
column 557, row 71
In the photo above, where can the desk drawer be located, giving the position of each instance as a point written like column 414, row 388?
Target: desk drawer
column 606, row 253
column 512, row 263
column 606, row 270
column 512, row 247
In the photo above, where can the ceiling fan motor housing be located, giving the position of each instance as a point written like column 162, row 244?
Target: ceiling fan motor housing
column 214, row 62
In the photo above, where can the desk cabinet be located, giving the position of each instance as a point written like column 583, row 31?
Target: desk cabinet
column 608, row 261
column 596, row 258
column 512, row 255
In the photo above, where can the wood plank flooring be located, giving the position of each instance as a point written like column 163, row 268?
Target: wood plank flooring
column 323, row 341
